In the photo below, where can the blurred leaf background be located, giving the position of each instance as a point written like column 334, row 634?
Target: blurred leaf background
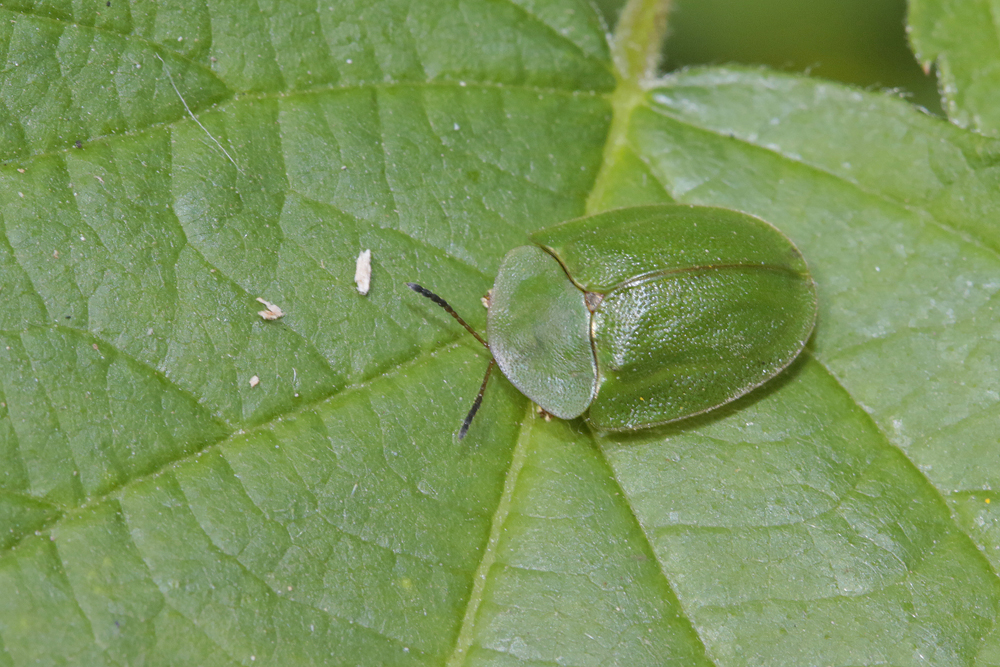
column 854, row 41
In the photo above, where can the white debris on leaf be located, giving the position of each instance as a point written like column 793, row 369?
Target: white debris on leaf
column 272, row 312
column 254, row 381
column 363, row 272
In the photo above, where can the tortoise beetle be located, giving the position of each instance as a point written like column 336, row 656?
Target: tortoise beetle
column 646, row 315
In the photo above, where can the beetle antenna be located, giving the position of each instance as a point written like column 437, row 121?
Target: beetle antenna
column 475, row 404
column 423, row 291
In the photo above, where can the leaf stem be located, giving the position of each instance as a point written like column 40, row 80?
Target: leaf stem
column 635, row 50
column 638, row 39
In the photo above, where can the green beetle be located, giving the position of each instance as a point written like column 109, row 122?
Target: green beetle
column 646, row 315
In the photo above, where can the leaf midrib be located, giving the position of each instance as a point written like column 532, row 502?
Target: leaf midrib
column 466, row 633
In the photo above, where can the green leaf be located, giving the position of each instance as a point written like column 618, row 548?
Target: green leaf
column 158, row 509
column 959, row 37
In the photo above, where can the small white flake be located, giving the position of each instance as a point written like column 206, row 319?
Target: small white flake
column 254, row 381
column 272, row 312
column 363, row 272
